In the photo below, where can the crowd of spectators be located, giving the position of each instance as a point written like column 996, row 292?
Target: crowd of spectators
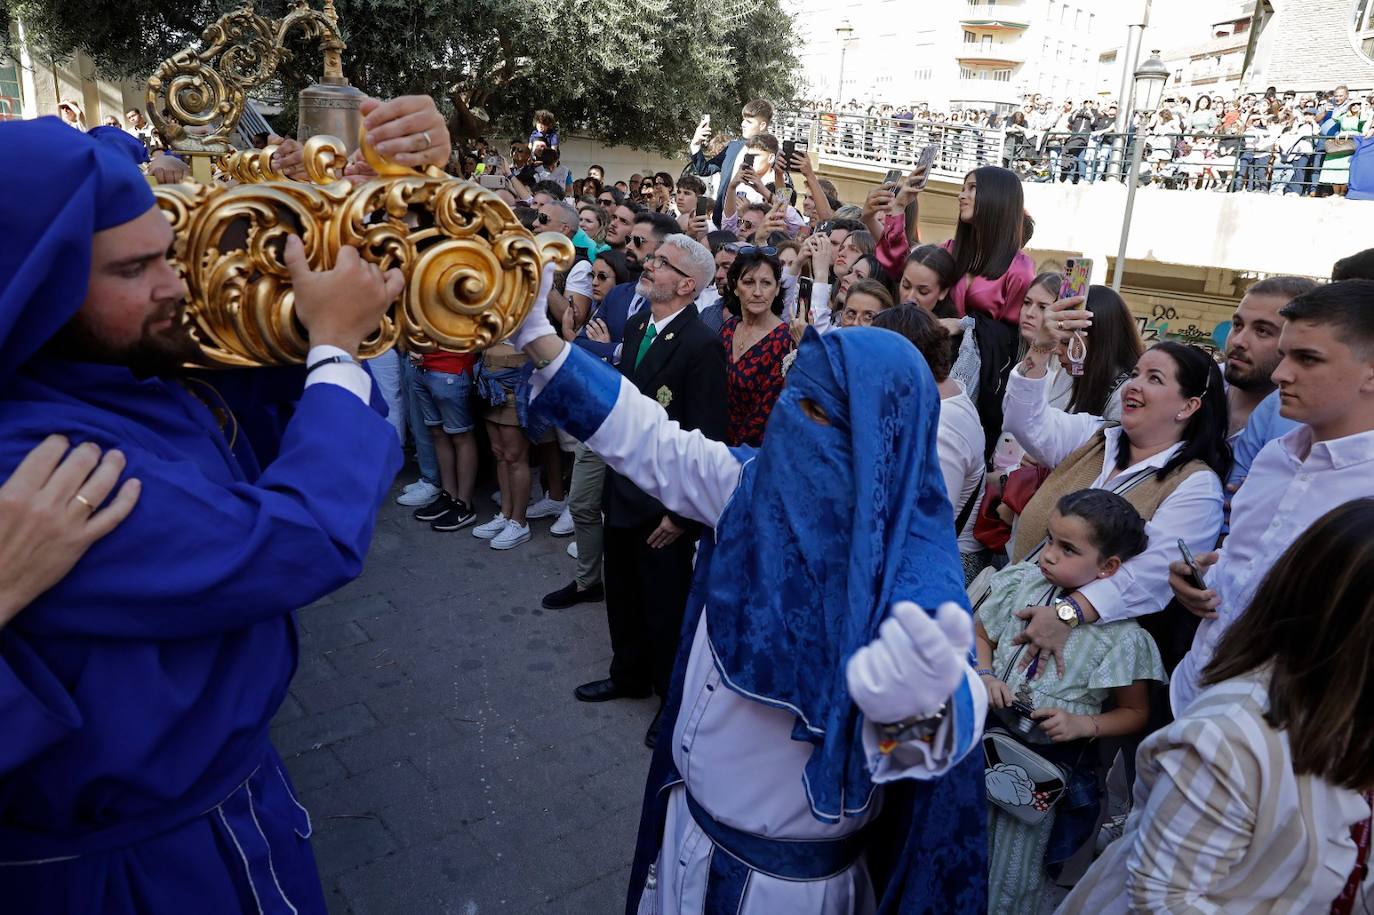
column 1235, row 686
column 1311, row 144
column 1070, row 490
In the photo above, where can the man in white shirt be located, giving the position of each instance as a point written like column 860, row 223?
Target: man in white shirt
column 560, row 217
column 1326, row 381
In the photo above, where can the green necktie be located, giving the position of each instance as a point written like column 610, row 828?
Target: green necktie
column 649, row 333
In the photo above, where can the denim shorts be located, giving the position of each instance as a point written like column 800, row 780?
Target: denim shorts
column 444, row 400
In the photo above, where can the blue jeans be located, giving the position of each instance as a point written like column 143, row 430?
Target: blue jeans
column 424, row 445
column 444, row 400
column 386, row 371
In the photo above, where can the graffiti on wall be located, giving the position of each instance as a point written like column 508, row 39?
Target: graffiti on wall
column 1164, row 323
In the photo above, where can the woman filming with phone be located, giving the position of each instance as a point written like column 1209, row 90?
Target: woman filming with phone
column 1113, row 348
column 1167, row 458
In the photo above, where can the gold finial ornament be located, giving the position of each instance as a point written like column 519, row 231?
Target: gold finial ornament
column 472, row 270
column 195, row 98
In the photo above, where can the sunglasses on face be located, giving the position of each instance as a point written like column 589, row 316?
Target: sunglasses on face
column 603, row 277
column 639, row 241
column 766, row 250
column 606, row 201
column 542, row 219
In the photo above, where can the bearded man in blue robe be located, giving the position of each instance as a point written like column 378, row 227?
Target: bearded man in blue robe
column 136, row 773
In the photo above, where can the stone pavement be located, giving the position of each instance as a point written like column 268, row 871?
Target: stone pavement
column 433, row 736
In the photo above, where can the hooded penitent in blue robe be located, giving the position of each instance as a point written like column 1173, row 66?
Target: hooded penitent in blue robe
column 822, row 530
column 135, row 695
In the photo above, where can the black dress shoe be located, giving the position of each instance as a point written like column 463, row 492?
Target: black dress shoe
column 606, row 690
column 571, row 596
column 651, row 735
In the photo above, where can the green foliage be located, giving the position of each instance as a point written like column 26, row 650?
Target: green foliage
column 626, row 71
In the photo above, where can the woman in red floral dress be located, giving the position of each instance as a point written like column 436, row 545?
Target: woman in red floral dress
column 756, row 342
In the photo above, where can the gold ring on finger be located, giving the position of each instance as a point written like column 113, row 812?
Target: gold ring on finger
column 90, row 507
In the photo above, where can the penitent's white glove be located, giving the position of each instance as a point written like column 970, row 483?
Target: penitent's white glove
column 914, row 664
column 536, row 323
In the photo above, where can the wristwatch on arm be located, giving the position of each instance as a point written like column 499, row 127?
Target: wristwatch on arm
column 1068, row 611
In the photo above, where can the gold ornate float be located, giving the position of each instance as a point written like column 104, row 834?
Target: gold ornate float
column 472, row 270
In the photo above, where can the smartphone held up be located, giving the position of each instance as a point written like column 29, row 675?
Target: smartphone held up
column 1078, row 273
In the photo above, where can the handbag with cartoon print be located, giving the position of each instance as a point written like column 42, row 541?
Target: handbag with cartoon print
column 1019, row 780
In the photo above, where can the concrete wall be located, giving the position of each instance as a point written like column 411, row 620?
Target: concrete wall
column 620, row 162
column 46, row 84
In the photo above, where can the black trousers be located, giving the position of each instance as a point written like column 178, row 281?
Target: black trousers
column 646, row 594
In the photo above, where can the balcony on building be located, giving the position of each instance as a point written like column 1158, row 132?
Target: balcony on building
column 984, row 54
column 996, row 16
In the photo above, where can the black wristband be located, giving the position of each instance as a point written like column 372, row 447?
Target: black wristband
column 331, row 360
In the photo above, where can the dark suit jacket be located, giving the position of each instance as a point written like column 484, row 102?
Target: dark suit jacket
column 685, row 366
column 613, row 310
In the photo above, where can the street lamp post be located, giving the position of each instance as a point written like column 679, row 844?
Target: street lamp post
column 844, row 31
column 1149, row 86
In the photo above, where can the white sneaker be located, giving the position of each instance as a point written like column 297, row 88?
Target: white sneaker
column 545, row 508
column 563, row 527
column 491, row 528
column 409, row 486
column 418, row 493
column 572, row 549
column 511, row 537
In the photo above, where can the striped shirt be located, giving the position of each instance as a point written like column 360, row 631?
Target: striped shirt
column 1220, row 823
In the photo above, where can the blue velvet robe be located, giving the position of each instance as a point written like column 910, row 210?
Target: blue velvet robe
column 136, row 694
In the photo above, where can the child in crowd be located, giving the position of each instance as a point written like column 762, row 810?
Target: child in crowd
column 1091, row 533
column 545, row 129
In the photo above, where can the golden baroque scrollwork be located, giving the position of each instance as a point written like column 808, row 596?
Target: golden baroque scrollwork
column 195, row 98
column 472, row 270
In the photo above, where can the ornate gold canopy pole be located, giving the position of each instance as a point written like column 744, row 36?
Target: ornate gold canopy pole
column 196, row 98
column 472, row 270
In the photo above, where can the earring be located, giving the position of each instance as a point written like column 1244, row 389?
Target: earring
column 1178, row 418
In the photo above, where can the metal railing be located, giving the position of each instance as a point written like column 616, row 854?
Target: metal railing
column 1182, row 161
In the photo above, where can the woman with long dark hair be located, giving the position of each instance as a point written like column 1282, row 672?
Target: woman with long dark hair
column 993, row 271
column 928, row 276
column 756, row 341
column 1167, row 458
column 1113, row 348
column 1257, row 798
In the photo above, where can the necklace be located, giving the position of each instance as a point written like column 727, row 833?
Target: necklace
column 224, row 417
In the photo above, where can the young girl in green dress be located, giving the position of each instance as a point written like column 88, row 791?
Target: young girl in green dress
column 1091, row 533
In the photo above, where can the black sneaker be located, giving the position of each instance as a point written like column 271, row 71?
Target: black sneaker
column 442, row 503
column 456, row 518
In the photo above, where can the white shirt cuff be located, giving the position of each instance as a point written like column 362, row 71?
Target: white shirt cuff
column 350, row 376
column 1105, row 598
